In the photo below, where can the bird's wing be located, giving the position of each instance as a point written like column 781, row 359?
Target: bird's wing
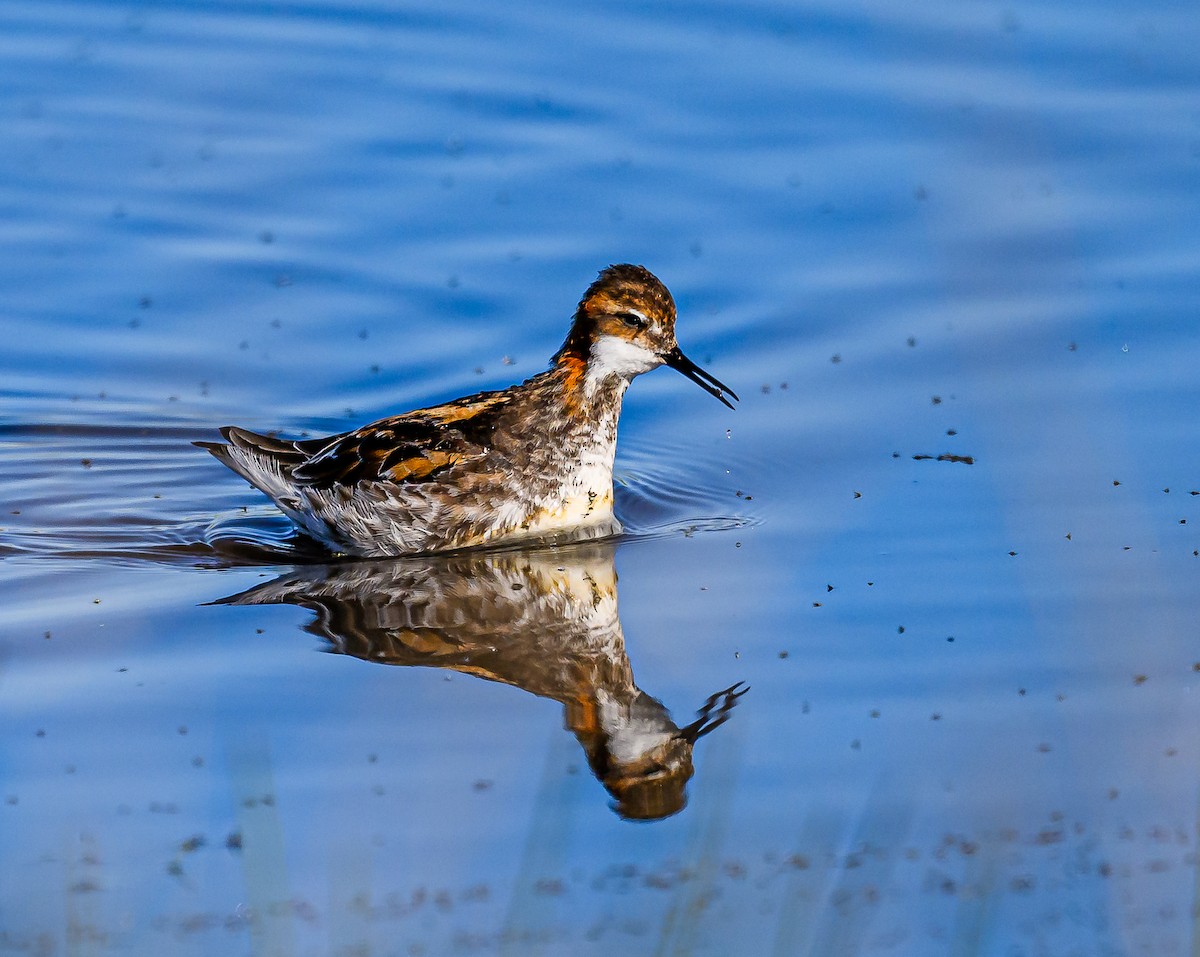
column 406, row 448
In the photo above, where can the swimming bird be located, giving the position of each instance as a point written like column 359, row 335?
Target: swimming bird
column 529, row 461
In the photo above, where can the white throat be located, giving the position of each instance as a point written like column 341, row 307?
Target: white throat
column 612, row 356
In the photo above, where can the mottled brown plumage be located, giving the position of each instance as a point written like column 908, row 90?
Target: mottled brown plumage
column 532, row 460
column 541, row 620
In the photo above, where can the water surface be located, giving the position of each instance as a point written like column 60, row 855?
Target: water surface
column 908, row 239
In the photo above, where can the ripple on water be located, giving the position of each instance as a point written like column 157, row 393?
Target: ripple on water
column 134, row 493
column 678, row 490
column 131, row 493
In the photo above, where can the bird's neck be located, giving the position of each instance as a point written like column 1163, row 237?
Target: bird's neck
column 590, row 387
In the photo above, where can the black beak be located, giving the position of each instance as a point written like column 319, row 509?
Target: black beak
column 678, row 361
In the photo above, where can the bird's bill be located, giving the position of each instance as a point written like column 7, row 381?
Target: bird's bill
column 710, row 384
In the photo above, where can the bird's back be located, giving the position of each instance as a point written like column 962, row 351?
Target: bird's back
column 449, row 476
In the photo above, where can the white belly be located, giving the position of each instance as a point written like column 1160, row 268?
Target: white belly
column 585, row 498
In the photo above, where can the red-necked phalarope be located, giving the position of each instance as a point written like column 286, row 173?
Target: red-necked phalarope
column 528, row 461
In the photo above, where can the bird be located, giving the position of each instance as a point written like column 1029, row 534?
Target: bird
column 544, row 620
column 531, row 461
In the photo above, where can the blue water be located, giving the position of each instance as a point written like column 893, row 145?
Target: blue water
column 962, row 230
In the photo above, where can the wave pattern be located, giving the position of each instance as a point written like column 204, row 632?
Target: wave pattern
column 144, row 493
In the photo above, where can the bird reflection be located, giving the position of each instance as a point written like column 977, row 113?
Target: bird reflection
column 545, row 621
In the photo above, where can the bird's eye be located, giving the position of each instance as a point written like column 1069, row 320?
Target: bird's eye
column 635, row 320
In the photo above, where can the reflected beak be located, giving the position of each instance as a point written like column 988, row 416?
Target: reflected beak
column 678, row 361
column 715, row 711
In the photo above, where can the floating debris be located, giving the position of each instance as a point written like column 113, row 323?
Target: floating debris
column 944, row 457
